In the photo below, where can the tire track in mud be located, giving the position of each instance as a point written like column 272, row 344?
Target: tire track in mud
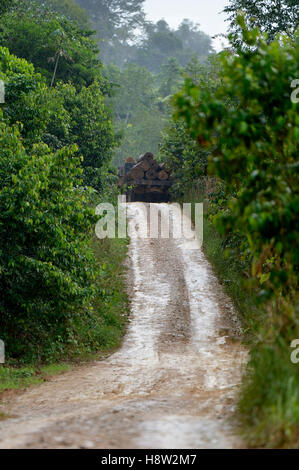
column 173, row 383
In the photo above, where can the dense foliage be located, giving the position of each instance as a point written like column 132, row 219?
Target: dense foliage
column 5, row 5
column 255, row 143
column 116, row 22
column 70, row 10
column 144, row 62
column 56, row 39
column 56, row 136
column 162, row 42
column 127, row 36
column 186, row 160
column 46, row 265
column 270, row 16
column 23, row 87
column 65, row 102
column 139, row 113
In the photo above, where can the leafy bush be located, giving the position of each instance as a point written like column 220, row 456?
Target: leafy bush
column 59, row 116
column 55, row 140
column 23, row 86
column 91, row 129
column 256, row 151
column 186, row 160
column 47, row 269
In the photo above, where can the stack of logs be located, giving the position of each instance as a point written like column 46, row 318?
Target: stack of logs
column 149, row 169
column 147, row 177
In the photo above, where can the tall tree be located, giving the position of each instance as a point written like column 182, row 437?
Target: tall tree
column 138, row 118
column 270, row 16
column 116, row 22
column 171, row 77
column 194, row 69
column 69, row 9
column 162, row 42
column 195, row 41
column 62, row 50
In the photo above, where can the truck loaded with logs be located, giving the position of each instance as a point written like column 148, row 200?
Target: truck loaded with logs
column 145, row 180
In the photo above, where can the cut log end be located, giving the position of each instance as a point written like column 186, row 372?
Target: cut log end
column 163, row 175
column 130, row 160
column 151, row 174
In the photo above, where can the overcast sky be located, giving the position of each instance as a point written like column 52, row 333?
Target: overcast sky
column 205, row 12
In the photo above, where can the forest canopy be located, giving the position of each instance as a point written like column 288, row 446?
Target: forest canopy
column 127, row 36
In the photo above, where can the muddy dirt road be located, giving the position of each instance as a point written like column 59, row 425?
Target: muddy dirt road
column 173, row 382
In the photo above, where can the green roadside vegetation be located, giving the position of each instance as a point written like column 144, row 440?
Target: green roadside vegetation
column 233, row 144
column 104, row 329
column 13, row 378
